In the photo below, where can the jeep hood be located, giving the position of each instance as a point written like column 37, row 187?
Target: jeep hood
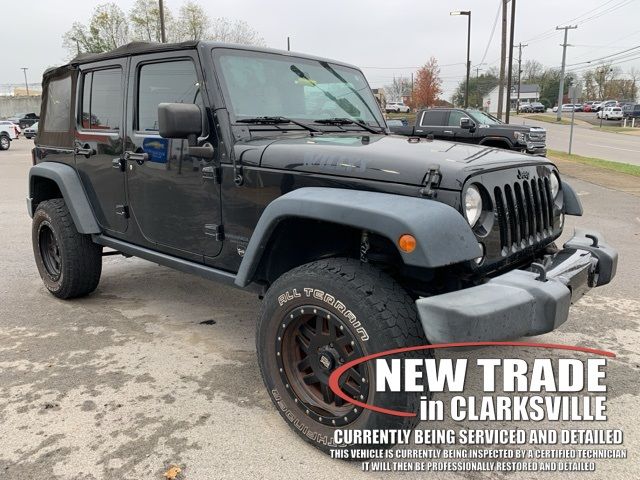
column 388, row 158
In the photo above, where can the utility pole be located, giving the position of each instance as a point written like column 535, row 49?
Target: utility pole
column 564, row 59
column 26, row 84
column 503, row 56
column 288, row 44
column 163, row 33
column 478, row 99
column 466, row 90
column 411, row 87
column 509, row 79
column 520, row 47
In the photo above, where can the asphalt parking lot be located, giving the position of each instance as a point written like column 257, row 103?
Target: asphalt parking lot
column 158, row 367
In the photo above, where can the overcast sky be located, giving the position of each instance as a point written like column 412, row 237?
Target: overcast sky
column 395, row 34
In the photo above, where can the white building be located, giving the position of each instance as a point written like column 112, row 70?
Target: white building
column 529, row 92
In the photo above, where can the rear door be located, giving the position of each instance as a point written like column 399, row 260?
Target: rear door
column 99, row 140
column 173, row 197
column 434, row 122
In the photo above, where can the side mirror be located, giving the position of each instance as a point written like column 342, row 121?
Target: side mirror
column 184, row 121
column 180, row 120
column 466, row 123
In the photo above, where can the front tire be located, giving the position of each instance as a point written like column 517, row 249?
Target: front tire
column 319, row 316
column 69, row 262
column 5, row 142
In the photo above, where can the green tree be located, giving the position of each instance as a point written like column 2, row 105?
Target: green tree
column 479, row 86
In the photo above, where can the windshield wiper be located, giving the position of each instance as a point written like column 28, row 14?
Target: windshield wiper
column 346, row 121
column 276, row 121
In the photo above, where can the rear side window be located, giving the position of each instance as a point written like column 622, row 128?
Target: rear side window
column 433, row 117
column 58, row 106
column 102, row 99
column 171, row 82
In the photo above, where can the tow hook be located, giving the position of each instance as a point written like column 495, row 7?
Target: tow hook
column 540, row 270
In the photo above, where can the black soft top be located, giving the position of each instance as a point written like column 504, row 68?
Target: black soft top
column 136, row 48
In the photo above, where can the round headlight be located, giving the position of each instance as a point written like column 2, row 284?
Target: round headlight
column 555, row 185
column 472, row 205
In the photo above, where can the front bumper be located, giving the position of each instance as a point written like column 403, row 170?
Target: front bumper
column 536, row 149
column 521, row 302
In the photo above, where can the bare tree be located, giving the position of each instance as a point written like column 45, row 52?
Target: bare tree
column 234, row 31
column 107, row 29
column 110, row 28
column 532, row 70
column 193, row 22
column 144, row 19
column 400, row 87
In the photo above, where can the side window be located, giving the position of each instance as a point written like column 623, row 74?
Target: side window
column 102, row 99
column 455, row 116
column 433, row 118
column 172, row 82
column 58, row 106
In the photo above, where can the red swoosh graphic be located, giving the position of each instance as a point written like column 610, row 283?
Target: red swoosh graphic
column 338, row 372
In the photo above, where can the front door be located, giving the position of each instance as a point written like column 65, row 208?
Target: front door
column 175, row 204
column 98, row 142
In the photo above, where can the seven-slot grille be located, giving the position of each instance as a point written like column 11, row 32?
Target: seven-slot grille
column 524, row 211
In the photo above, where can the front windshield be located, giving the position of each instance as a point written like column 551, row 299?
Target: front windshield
column 258, row 84
column 483, row 118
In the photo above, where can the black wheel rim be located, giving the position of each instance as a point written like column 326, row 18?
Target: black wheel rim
column 311, row 343
column 49, row 251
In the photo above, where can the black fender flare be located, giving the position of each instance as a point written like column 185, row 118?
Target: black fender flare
column 495, row 138
column 443, row 235
column 74, row 195
column 571, row 202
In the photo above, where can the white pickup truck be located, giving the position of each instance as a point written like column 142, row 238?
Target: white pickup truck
column 7, row 133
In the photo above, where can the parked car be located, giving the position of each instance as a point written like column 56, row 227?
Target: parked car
column 537, row 107
column 475, row 126
column 596, row 106
column 15, row 118
column 31, row 131
column 631, row 110
column 16, row 128
column 355, row 241
column 7, row 134
column 525, row 108
column 28, row 120
column 397, row 107
column 607, row 103
column 610, row 113
column 577, row 107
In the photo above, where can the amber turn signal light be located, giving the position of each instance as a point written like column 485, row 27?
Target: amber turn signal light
column 407, row 243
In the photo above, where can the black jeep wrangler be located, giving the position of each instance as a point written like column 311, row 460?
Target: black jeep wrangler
column 477, row 127
column 276, row 172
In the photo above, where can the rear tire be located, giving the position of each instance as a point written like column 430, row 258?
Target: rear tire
column 69, row 262
column 319, row 316
column 5, row 142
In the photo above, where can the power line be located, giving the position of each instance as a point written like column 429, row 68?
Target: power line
column 493, row 30
column 608, row 56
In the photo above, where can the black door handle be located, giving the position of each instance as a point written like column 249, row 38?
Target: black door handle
column 85, row 150
column 139, row 157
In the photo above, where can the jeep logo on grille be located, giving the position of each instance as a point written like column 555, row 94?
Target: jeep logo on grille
column 523, row 175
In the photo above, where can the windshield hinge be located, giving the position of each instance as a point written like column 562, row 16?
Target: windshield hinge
column 431, row 181
column 238, row 177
